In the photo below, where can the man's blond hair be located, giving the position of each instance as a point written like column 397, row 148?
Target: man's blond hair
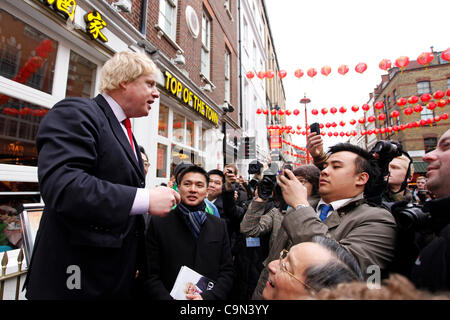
column 406, row 161
column 126, row 67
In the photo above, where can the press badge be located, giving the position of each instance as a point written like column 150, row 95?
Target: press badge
column 253, row 242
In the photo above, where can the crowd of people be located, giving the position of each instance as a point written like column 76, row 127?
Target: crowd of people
column 321, row 231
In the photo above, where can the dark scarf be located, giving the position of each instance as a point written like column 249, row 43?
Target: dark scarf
column 195, row 215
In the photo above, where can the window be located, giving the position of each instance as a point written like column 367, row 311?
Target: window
column 394, row 93
column 423, row 87
column 163, row 121
column 426, row 113
column 161, row 161
column 80, row 81
column 227, row 76
column 190, row 133
column 206, row 46
column 178, row 128
column 168, row 17
column 448, row 83
column 430, row 144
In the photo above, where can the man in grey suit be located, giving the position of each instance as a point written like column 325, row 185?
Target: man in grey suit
column 342, row 213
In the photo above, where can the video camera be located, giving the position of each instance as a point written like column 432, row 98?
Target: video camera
column 409, row 217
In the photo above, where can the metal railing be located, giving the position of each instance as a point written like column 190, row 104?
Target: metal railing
column 4, row 278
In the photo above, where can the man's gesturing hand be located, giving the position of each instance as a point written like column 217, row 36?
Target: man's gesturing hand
column 162, row 199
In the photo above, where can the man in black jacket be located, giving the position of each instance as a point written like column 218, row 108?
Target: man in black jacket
column 431, row 270
column 190, row 237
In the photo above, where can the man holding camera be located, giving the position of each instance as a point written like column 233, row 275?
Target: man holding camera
column 431, row 270
column 342, row 213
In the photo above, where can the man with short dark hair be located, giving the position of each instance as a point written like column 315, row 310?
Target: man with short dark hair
column 190, row 237
column 342, row 213
column 215, row 188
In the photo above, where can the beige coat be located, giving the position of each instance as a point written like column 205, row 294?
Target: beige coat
column 366, row 232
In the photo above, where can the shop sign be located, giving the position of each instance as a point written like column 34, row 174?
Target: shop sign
column 175, row 87
column 94, row 21
column 275, row 140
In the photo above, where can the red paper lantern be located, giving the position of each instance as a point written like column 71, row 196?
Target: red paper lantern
column 342, row 109
column 321, row 125
column 258, row 111
column 296, row 112
column 334, row 124
column 363, row 132
column 441, row 103
column 439, row 94
column 250, row 75
column 401, row 101
column 362, row 120
column 282, row 74
column 365, row 107
column 418, row 108
column 324, row 111
column 270, row 74
column 327, row 124
column 444, row 116
column 385, row 64
column 273, row 112
column 409, row 125
column 371, row 119
column 342, row 123
column 314, row 112
column 333, row 110
column 298, row 73
column 425, row 58
column 395, row 128
column 379, row 105
column 355, row 108
column 383, row 130
column 261, row 75
column 311, row 72
column 430, row 121
column 425, row 97
column 342, row 134
column 347, row 134
column 448, row 92
column 408, row 111
column 325, row 70
column 266, row 111
column 413, row 99
column 280, row 112
column 287, row 112
column 369, row 131
column 381, row 117
column 446, row 55
column 422, row 122
column 437, row 118
column 361, row 67
column 343, row 69
column 299, row 127
column 402, row 62
column 330, row 134
column 376, row 131
column 395, row 114
column 352, row 122
column 335, row 134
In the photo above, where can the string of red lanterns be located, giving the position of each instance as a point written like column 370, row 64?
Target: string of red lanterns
column 402, row 62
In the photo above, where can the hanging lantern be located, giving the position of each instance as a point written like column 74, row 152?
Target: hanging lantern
column 381, row 117
column 352, row 122
column 413, row 99
column 371, row 119
column 448, row 92
column 437, row 118
column 431, row 106
column 409, row 125
column 342, row 134
column 282, row 74
column 334, row 124
column 425, row 58
column 355, row 108
column 425, row 97
column 445, row 55
column 324, row 111
column 401, row 101
column 296, row 112
column 422, row 122
column 395, row 128
column 280, row 112
column 298, row 73
column 298, row 132
column 321, row 125
column 333, row 110
column 311, row 72
column 362, row 120
column 314, row 112
column 441, row 103
column 343, row 69
column 444, row 116
column 376, row 131
column 439, row 94
column 385, row 64
column 270, row 74
column 250, row 75
column 325, row 70
column 395, row 114
column 382, row 130
column 330, row 134
column 379, row 105
column 273, row 112
column 258, row 111
column 369, row 131
column 342, row 123
column 335, row 134
column 261, row 75
column 287, row 112
column 299, row 127
column 418, row 108
column 342, row 109
column 403, row 127
column 430, row 121
column 365, row 107
column 361, row 67
column 408, row 111
column 402, row 62
column 327, row 124
column 363, row 132
column 266, row 111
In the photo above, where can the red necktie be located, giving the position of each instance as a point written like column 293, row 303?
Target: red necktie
column 127, row 124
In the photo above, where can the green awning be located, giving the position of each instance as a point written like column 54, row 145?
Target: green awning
column 420, row 166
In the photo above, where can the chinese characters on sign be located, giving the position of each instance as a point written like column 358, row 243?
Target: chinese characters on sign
column 94, row 25
column 94, row 20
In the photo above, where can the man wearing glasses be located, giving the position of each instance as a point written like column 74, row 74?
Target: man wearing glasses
column 308, row 267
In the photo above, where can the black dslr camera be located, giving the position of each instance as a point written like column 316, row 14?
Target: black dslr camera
column 409, row 217
column 267, row 184
column 384, row 151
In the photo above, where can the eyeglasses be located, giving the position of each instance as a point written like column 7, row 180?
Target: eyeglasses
column 283, row 255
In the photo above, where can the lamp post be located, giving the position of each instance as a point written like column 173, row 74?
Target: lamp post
column 305, row 101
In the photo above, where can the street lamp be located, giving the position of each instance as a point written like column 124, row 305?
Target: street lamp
column 305, row 101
